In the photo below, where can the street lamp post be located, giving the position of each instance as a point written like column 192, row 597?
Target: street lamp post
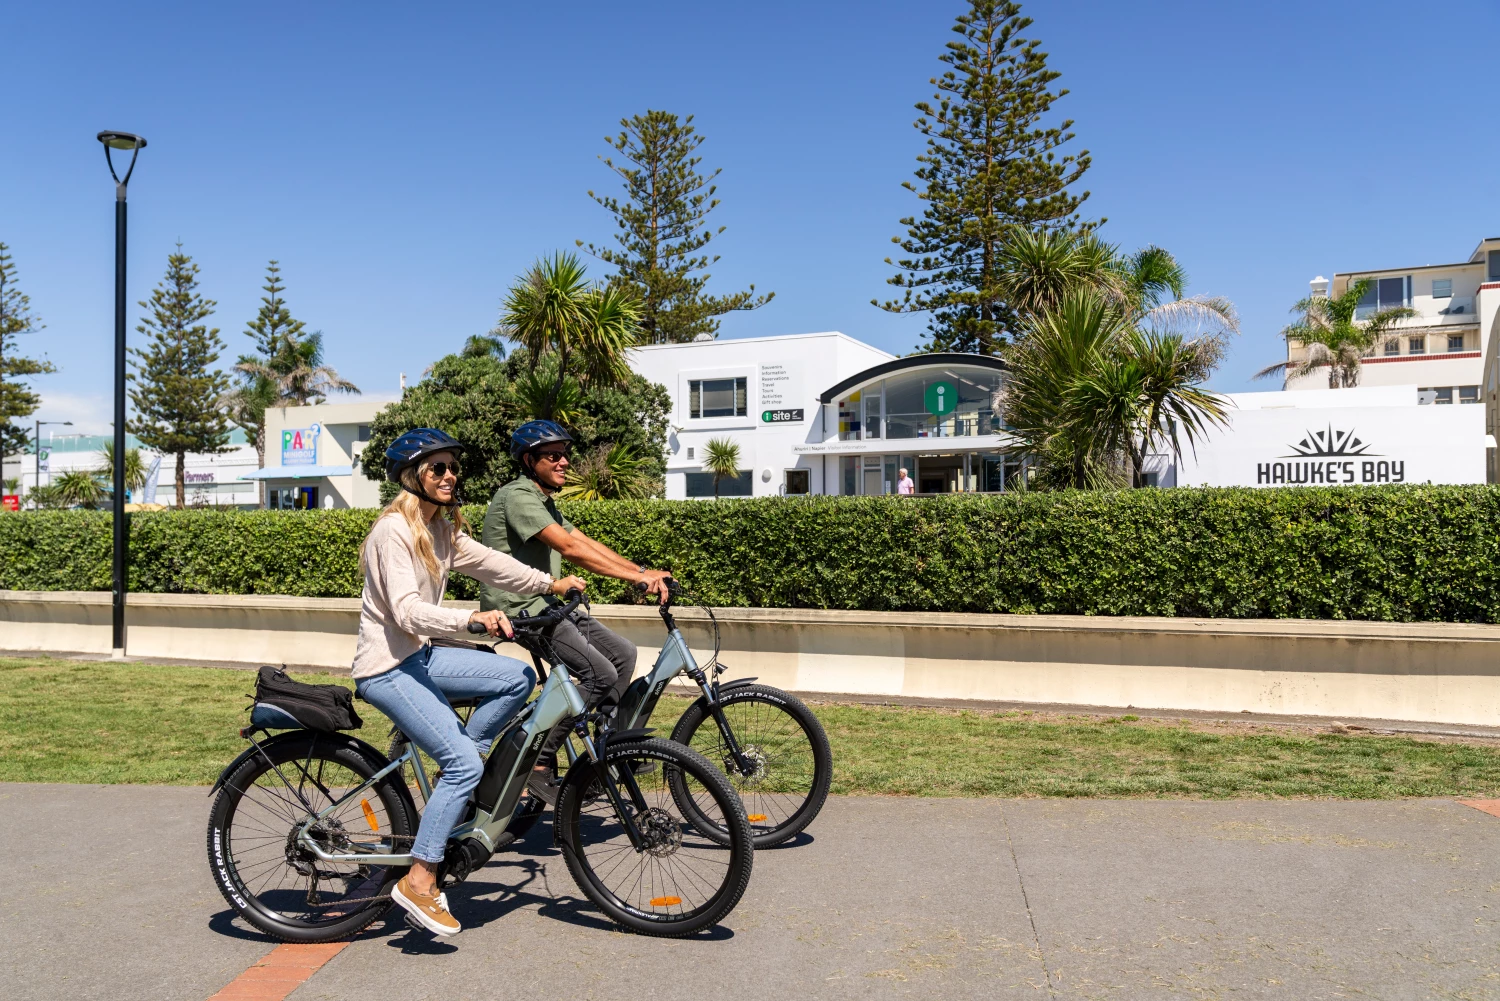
column 134, row 143
column 38, row 472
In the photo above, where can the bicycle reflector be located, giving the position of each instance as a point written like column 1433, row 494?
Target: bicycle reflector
column 364, row 805
column 665, row 901
column 756, row 818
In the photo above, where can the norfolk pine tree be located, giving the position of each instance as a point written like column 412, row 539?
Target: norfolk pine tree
column 662, row 224
column 989, row 165
column 178, row 392
column 17, row 399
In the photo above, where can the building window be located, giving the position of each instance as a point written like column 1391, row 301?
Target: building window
column 1468, row 394
column 292, row 498
column 1455, row 342
column 1442, row 288
column 1416, row 345
column 702, row 485
column 1383, row 293
column 717, row 397
column 1393, row 346
column 364, row 433
column 1495, row 265
column 1444, row 394
column 798, row 481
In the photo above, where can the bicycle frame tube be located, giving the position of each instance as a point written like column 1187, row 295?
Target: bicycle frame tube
column 559, row 700
column 641, row 697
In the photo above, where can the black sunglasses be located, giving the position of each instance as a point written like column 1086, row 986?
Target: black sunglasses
column 440, row 469
column 553, row 456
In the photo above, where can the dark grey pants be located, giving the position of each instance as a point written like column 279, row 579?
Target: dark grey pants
column 601, row 662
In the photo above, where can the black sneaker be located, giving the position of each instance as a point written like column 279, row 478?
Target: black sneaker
column 543, row 786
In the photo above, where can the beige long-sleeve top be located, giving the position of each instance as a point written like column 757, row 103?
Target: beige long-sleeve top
column 401, row 605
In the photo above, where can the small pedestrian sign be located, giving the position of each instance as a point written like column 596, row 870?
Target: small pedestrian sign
column 941, row 398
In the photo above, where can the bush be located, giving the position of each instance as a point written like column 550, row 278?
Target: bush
column 1389, row 553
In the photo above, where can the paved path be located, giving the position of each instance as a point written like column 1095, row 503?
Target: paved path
column 889, row 898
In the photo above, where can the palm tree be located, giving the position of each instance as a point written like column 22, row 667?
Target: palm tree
column 135, row 467
column 721, row 456
column 1333, row 335
column 1091, row 393
column 553, row 311
column 609, row 472
column 79, row 488
column 295, row 373
column 538, row 395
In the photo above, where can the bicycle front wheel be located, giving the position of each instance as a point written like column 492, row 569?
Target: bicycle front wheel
column 253, row 850
column 677, row 881
column 790, row 763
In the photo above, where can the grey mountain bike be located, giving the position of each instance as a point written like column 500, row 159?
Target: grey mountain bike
column 310, row 830
column 769, row 744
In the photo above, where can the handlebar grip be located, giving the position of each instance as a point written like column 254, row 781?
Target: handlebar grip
column 572, row 594
column 639, row 587
column 476, row 628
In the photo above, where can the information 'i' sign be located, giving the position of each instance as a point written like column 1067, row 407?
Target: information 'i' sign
column 941, row 398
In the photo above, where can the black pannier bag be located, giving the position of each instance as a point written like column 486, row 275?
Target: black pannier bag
column 284, row 704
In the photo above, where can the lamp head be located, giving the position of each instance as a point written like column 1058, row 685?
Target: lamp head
column 121, row 141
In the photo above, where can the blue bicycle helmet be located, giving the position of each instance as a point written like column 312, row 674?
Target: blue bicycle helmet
column 414, row 446
column 533, row 434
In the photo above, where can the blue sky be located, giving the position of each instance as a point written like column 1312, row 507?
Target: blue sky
column 404, row 162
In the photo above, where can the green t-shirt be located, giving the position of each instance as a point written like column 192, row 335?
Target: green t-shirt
column 513, row 524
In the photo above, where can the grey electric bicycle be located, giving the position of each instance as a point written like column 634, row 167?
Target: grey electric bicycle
column 769, row 744
column 310, row 830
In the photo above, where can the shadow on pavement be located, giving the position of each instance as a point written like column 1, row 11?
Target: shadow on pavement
column 222, row 923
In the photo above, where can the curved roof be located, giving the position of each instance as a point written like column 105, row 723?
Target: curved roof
column 935, row 360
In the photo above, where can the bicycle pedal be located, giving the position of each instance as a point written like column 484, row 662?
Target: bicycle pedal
column 413, row 923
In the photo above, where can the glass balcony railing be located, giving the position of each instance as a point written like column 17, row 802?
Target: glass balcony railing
column 959, row 424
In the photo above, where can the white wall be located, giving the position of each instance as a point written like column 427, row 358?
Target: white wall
column 1275, row 443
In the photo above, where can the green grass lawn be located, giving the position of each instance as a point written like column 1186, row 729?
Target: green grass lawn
column 76, row 721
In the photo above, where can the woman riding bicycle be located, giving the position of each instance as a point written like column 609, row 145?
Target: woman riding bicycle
column 405, row 560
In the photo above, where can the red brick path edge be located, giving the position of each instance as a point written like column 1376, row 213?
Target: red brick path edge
column 1490, row 806
column 283, row 970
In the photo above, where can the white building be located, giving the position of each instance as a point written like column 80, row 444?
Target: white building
column 310, row 457
column 211, row 480
column 826, row 414
column 1443, row 347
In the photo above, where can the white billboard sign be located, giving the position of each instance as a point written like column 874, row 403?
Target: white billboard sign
column 1369, row 446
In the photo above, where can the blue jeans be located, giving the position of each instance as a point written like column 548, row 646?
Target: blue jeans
column 415, row 696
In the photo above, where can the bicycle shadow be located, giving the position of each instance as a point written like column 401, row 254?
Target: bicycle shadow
column 519, row 878
column 222, row 923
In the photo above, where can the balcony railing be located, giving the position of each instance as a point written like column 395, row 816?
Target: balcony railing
column 1459, row 307
column 907, row 426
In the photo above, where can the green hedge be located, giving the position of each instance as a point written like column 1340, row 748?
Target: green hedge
column 1392, row 553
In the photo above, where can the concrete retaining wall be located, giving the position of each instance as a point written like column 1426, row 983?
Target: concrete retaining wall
column 1430, row 672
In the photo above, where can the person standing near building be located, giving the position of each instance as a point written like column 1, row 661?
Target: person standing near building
column 523, row 521
column 904, row 484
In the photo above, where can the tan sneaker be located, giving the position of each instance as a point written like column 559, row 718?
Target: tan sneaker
column 430, row 912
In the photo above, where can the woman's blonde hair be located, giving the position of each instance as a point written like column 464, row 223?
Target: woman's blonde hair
column 409, row 506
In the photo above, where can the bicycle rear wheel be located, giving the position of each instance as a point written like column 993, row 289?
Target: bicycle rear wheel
column 791, row 762
column 679, row 882
column 252, row 848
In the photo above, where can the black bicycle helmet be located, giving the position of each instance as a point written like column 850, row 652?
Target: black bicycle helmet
column 416, row 445
column 533, row 434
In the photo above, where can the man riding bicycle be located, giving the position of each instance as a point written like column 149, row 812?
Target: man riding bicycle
column 523, row 521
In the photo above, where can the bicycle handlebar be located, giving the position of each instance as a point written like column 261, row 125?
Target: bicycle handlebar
column 549, row 619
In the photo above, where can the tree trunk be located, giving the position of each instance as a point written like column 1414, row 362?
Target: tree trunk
column 181, row 480
column 260, row 458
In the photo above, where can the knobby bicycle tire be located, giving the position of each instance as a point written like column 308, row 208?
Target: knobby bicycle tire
column 250, row 851
column 790, row 747
column 682, row 883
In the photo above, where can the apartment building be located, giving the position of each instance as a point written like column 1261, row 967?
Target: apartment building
column 1448, row 347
